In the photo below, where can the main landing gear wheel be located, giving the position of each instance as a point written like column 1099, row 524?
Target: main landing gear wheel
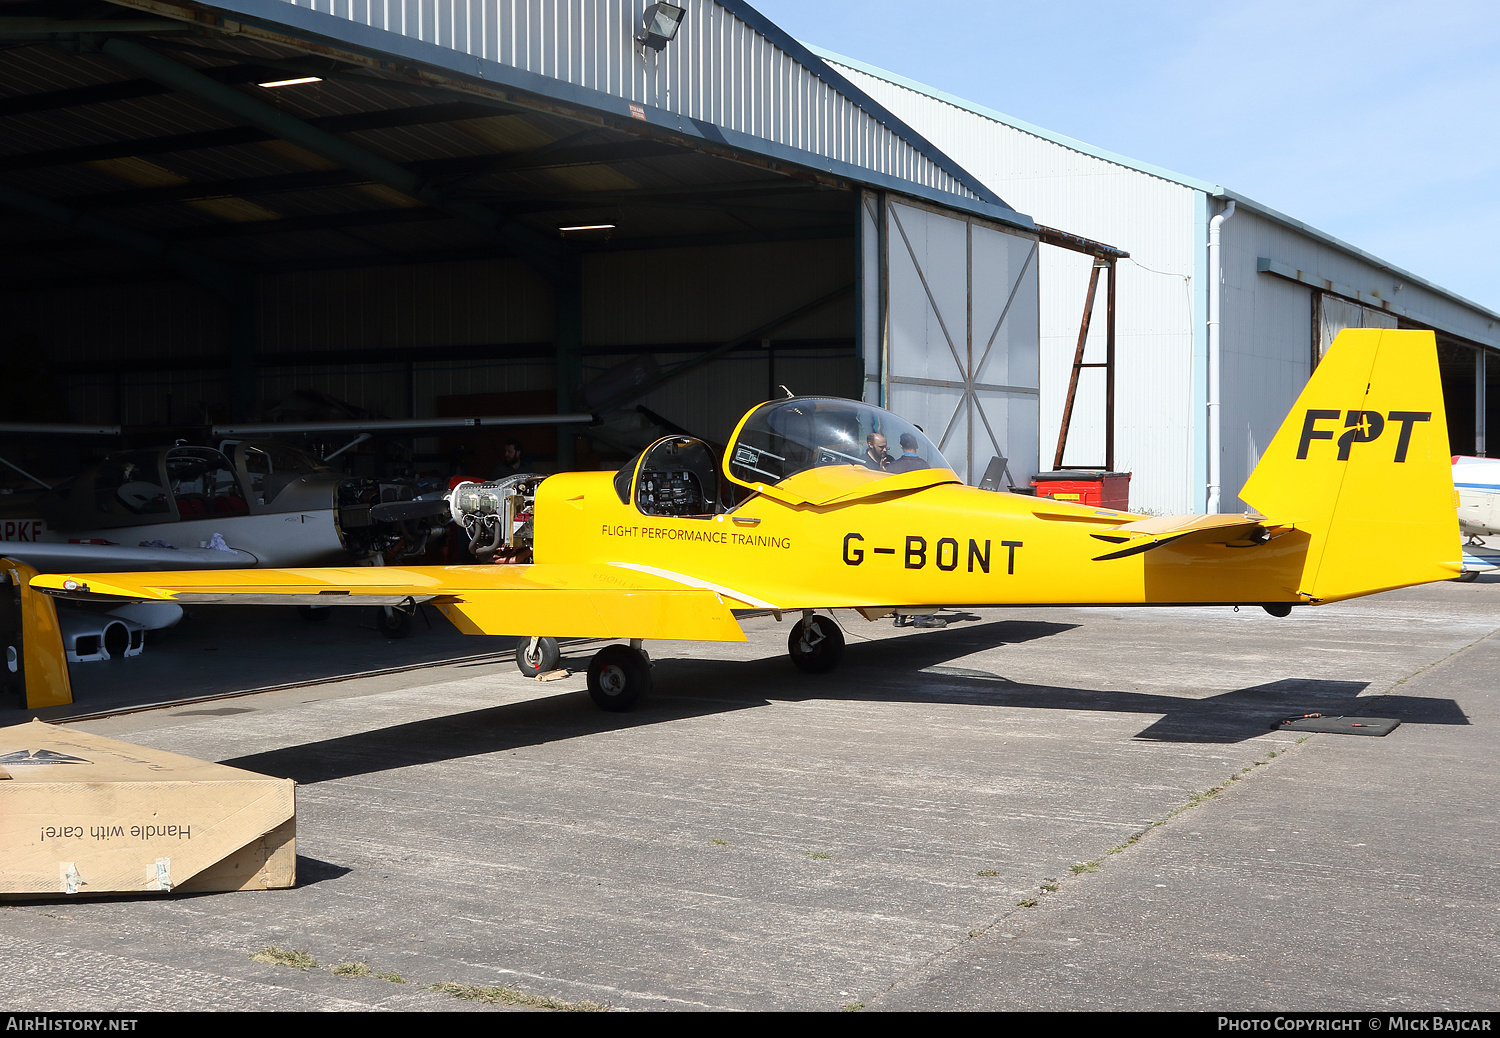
column 815, row 644
column 538, row 658
column 618, row 677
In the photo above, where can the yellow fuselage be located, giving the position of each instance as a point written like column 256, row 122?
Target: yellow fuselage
column 944, row 544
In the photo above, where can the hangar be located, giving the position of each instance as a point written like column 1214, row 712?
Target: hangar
column 1284, row 290
column 423, row 208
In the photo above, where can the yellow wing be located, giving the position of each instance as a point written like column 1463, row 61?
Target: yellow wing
column 563, row 601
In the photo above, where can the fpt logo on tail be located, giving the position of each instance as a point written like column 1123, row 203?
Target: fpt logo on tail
column 1359, row 427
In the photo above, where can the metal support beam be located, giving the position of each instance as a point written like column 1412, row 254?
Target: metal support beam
column 463, row 166
column 62, row 28
column 352, row 122
column 1083, row 338
column 718, row 351
column 568, row 324
column 1105, row 263
column 1109, row 369
column 552, row 259
column 1480, row 360
column 231, row 284
column 242, row 340
column 222, row 278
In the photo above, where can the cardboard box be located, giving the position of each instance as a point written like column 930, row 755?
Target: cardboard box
column 82, row 814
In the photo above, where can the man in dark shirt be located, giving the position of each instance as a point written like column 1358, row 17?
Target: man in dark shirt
column 909, row 461
column 511, row 462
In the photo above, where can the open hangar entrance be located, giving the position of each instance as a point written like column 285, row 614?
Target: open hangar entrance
column 1471, row 393
column 1469, row 370
column 184, row 246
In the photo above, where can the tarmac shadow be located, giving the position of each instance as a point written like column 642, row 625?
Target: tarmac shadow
column 907, row 669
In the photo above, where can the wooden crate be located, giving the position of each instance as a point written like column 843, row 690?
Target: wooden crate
column 84, row 815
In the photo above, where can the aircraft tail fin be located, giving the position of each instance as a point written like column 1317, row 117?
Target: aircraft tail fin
column 1361, row 465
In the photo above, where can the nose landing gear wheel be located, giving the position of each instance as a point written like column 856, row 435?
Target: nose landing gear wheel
column 535, row 660
column 393, row 621
column 618, row 677
column 815, row 644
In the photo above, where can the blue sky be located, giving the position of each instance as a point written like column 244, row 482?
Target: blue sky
column 1376, row 122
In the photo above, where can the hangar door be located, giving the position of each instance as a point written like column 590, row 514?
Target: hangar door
column 950, row 332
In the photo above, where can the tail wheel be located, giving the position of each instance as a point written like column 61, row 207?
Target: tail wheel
column 618, row 677
column 536, row 656
column 815, row 644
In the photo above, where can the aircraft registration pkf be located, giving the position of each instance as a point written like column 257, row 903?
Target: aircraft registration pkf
column 808, row 509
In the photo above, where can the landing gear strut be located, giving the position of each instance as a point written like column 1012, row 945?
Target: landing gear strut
column 618, row 676
column 815, row 644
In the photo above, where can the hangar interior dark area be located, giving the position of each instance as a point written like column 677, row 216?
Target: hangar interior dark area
column 1463, row 364
column 182, row 244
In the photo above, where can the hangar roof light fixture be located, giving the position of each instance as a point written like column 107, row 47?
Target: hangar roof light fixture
column 586, row 227
column 659, row 24
column 292, row 82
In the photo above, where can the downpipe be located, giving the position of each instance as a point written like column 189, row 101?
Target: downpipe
column 1215, row 385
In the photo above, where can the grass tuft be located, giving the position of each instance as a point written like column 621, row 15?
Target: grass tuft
column 511, row 997
column 274, row 956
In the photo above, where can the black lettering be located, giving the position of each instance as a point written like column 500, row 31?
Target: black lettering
column 1362, row 427
column 975, row 556
column 952, row 562
column 916, row 548
column 1309, row 433
column 853, row 556
column 1010, row 566
column 1407, row 419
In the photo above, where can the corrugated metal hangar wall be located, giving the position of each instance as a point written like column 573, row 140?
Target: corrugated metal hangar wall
column 507, row 207
column 1287, row 288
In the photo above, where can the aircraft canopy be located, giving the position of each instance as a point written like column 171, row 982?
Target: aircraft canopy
column 782, row 438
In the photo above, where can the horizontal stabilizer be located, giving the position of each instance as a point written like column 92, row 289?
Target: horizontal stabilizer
column 1157, row 531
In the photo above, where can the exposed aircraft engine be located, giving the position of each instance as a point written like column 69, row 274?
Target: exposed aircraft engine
column 497, row 516
column 375, row 516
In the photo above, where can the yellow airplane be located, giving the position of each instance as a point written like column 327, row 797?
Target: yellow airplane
column 811, row 508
